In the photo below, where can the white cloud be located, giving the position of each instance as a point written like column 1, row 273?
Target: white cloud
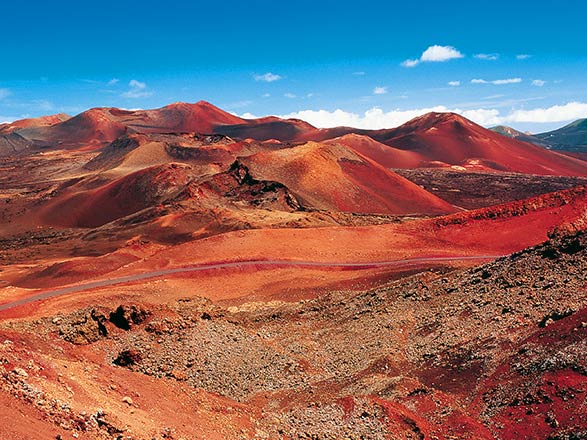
column 268, row 77
column 434, row 54
column 410, row 63
column 380, row 90
column 538, row 82
column 497, row 82
column 137, row 89
column 440, row 53
column 454, row 83
column 523, row 56
column 556, row 113
column 266, row 95
column 507, row 81
column 4, row 93
column 376, row 118
column 289, row 95
column 113, row 81
column 487, row 56
column 360, row 73
column 137, row 84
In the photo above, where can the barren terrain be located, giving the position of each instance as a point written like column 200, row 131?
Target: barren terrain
column 183, row 273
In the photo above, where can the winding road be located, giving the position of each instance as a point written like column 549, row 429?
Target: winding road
column 236, row 264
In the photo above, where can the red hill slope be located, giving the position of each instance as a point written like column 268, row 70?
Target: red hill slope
column 208, row 154
column 271, row 127
column 385, row 155
column 180, row 117
column 334, row 177
column 127, row 195
column 92, row 128
column 435, row 139
column 452, row 139
column 100, row 126
column 43, row 121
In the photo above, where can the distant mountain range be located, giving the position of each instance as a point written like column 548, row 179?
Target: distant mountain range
column 571, row 137
column 434, row 140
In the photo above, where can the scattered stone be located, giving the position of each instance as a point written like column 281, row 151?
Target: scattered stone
column 555, row 316
column 127, row 358
column 125, row 316
column 20, row 372
column 83, row 327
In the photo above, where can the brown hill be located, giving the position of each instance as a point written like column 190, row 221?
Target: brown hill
column 334, row 177
column 201, row 117
column 451, row 139
column 148, row 187
column 99, row 126
column 435, row 139
column 90, row 129
column 271, row 127
column 385, row 155
column 43, row 121
column 208, row 154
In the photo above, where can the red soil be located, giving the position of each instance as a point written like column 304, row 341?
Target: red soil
column 201, row 117
column 334, row 177
column 125, row 196
column 349, row 173
column 96, row 127
column 539, row 400
column 443, row 139
column 384, row 155
column 491, row 231
column 192, row 413
column 452, row 139
column 21, row 422
column 43, row 121
column 88, row 130
column 270, row 128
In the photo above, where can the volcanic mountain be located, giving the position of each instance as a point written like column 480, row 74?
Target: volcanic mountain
column 179, row 117
column 334, row 177
column 450, row 139
column 81, row 207
column 43, row 121
column 384, row 155
column 283, row 179
column 99, row 126
column 208, row 154
column 12, row 142
column 508, row 131
column 153, row 264
column 435, row 139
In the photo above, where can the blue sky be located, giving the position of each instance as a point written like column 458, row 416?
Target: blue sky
column 521, row 63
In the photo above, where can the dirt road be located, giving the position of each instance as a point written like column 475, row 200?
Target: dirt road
column 235, row 264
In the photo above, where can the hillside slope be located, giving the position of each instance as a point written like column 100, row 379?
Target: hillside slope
column 334, row 177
